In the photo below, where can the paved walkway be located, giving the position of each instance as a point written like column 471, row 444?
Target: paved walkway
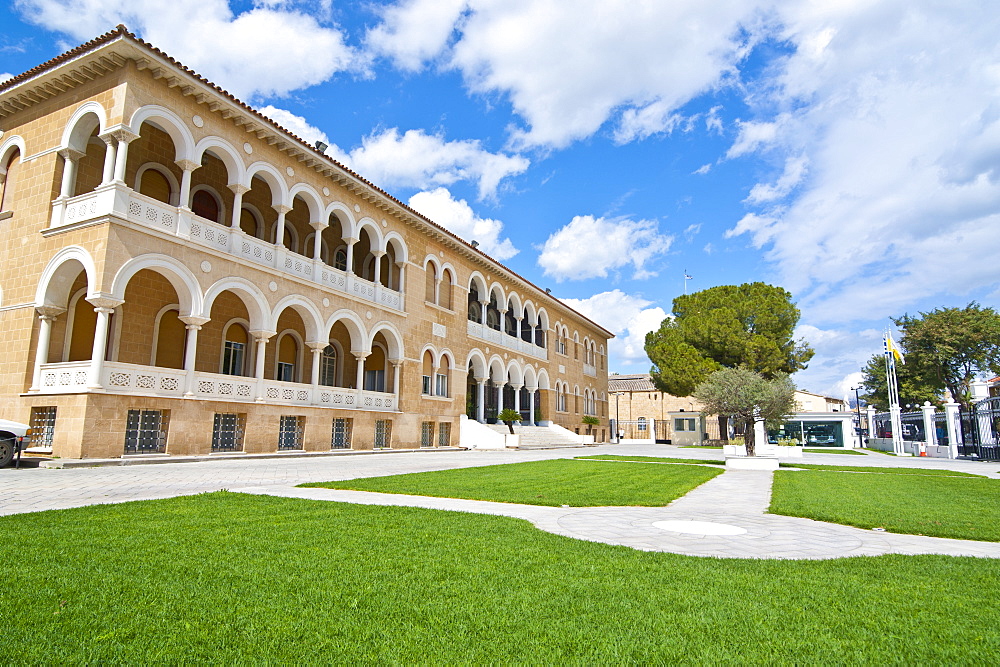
column 736, row 499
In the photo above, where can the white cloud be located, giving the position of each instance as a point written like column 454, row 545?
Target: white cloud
column 6, row 76
column 794, row 172
column 840, row 356
column 415, row 31
column 897, row 113
column 703, row 169
column 627, row 316
column 266, row 50
column 590, row 247
column 457, row 216
column 419, row 160
column 567, row 68
column 297, row 125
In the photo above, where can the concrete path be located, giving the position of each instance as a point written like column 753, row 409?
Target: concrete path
column 736, row 499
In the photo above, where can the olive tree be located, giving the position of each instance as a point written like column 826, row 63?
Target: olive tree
column 748, row 397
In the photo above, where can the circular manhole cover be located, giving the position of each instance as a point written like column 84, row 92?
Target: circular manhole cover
column 699, row 528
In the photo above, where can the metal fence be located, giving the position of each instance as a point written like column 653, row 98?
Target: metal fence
column 981, row 430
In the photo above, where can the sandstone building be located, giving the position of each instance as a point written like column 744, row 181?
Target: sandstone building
column 183, row 276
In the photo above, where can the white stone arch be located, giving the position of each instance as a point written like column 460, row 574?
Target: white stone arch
column 177, row 274
column 448, row 268
column 60, row 274
column 345, row 214
column 543, row 318
column 432, row 259
column 515, row 299
column 446, row 353
column 497, row 372
column 81, row 126
column 7, row 148
column 429, row 347
column 168, row 121
column 162, row 170
column 530, row 315
column 514, row 372
column 267, row 173
column 399, row 247
column 530, row 379
column 306, row 309
column 392, row 337
column 355, row 328
column 378, row 243
column 480, row 283
column 477, row 360
column 543, row 379
column 313, row 200
column 247, row 292
column 497, row 288
column 226, row 152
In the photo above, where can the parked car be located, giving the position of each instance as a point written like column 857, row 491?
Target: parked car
column 14, row 437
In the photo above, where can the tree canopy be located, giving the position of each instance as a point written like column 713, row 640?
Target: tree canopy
column 748, row 396
column 953, row 346
column 750, row 325
column 914, row 383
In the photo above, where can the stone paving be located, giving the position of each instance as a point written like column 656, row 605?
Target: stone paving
column 736, row 498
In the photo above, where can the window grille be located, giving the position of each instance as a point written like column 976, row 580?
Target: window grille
column 146, row 431
column 341, row 437
column 444, row 434
column 383, row 433
column 227, row 432
column 43, row 426
column 427, row 434
column 290, row 432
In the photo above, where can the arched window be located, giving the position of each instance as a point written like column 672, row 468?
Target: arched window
column 441, row 381
column 430, row 281
column 426, row 379
column 328, row 366
column 234, row 349
column 249, row 222
column 205, row 205
column 444, row 290
column 288, row 355
column 475, row 310
column 171, row 339
column 642, row 424
column 10, row 181
column 155, row 185
column 340, row 258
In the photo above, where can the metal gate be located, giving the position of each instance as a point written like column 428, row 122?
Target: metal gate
column 981, row 430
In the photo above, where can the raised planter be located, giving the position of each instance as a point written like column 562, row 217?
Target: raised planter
column 752, row 462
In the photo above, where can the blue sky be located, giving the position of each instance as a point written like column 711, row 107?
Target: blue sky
column 845, row 150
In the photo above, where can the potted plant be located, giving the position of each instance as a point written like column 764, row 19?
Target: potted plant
column 591, row 422
column 508, row 417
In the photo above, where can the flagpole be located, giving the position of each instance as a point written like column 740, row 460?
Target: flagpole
column 895, row 419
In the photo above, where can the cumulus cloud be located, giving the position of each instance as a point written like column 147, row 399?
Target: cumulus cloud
column 297, row 125
column 415, row 31
column 840, row 356
column 794, row 172
column 419, row 160
column 457, row 216
column 269, row 49
column 896, row 116
column 5, row 76
column 630, row 318
column 590, row 247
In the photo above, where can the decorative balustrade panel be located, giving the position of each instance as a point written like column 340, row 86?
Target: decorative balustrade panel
column 255, row 250
column 483, row 332
column 590, row 369
column 210, row 234
column 152, row 213
column 134, row 379
column 68, row 378
column 225, row 387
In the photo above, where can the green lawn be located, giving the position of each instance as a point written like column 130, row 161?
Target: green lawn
column 650, row 459
column 229, row 578
column 832, row 450
column 553, row 483
column 939, row 505
column 700, row 446
column 878, row 451
column 934, row 472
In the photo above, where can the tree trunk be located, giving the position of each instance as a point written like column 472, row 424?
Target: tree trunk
column 510, row 425
column 748, row 438
column 724, row 428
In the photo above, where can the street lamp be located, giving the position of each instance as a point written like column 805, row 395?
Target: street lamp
column 857, row 403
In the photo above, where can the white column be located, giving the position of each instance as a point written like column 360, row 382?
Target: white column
column 954, row 429
column 483, row 305
column 187, row 168
column 360, row 356
column 317, row 348
column 103, row 306
column 517, row 397
column 318, row 240
column 279, row 235
column 71, row 159
column 378, row 265
column 870, row 413
column 396, row 365
column 46, row 316
column 109, row 157
column 930, row 427
column 193, row 324
column 481, row 403
column 500, row 397
column 261, row 337
column 402, row 280
column 121, row 158
column 350, row 253
column 517, row 327
column 531, row 405
column 238, row 190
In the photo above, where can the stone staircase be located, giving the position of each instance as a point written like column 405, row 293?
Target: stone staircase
column 538, row 437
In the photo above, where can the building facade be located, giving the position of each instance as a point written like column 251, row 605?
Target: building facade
column 183, row 276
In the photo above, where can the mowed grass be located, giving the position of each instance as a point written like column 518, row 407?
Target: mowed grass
column 832, row 451
column 231, row 578
column 552, row 483
column 937, row 505
column 650, row 459
column 933, row 472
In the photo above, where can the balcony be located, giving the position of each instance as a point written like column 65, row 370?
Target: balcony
column 132, row 379
column 590, row 370
column 122, row 202
column 483, row 332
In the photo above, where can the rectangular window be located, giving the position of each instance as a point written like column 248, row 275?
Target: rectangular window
column 227, row 432
column 374, row 380
column 427, row 434
column 341, row 438
column 232, row 358
column 286, row 372
column 328, row 367
column 290, row 432
column 444, row 434
column 146, row 431
column 383, row 433
column 43, row 426
column 442, row 384
column 425, row 387
column 642, row 423
column 684, row 425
